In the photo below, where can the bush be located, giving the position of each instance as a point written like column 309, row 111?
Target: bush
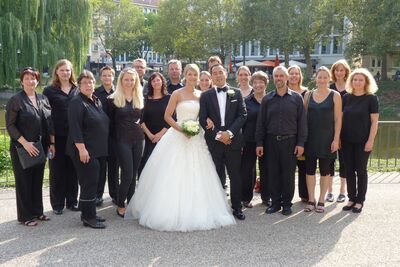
column 5, row 159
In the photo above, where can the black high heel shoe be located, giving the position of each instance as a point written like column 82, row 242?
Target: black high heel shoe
column 357, row 210
column 347, row 207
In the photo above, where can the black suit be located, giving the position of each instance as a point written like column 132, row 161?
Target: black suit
column 230, row 155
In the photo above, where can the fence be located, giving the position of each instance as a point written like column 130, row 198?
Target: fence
column 385, row 156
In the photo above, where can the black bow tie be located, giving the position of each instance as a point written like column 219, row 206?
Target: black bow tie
column 223, row 89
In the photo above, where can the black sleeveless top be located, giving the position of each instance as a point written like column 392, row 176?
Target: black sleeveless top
column 321, row 128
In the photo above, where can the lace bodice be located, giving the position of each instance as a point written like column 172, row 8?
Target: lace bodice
column 187, row 110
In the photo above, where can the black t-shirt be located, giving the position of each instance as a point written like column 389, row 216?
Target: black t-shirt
column 153, row 114
column 356, row 123
column 249, row 127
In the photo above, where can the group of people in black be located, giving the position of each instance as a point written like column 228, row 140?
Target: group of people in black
column 91, row 136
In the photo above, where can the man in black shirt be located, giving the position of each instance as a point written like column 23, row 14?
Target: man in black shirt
column 174, row 74
column 140, row 66
column 280, row 136
column 107, row 164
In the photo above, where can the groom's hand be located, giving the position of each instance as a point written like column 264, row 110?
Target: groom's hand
column 225, row 138
column 260, row 151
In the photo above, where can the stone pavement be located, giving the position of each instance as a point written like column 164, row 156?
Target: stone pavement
column 335, row 238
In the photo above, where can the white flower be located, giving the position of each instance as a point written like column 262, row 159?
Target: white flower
column 191, row 127
column 230, row 93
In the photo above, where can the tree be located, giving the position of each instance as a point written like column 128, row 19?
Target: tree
column 119, row 26
column 374, row 28
column 32, row 33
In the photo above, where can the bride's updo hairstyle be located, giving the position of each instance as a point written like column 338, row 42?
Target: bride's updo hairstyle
column 191, row 67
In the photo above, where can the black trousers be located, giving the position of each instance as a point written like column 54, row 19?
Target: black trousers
column 248, row 173
column 281, row 166
column 88, row 177
column 129, row 156
column 356, row 170
column 109, row 167
column 63, row 179
column 28, row 188
column 302, row 184
column 148, row 149
column 224, row 155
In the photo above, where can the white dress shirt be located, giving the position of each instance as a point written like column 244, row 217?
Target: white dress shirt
column 222, row 105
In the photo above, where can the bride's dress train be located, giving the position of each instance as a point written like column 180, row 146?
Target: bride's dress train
column 179, row 189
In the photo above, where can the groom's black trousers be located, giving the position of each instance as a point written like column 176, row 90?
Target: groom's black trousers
column 224, row 154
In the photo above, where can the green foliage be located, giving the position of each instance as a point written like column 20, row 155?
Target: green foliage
column 5, row 160
column 37, row 33
column 120, row 26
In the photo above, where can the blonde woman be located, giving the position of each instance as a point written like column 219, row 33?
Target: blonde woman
column 295, row 83
column 124, row 110
column 324, row 119
column 243, row 76
column 360, row 125
column 340, row 71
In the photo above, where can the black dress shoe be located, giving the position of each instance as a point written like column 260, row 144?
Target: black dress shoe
column 347, row 207
column 272, row 209
column 73, row 207
column 93, row 223
column 239, row 214
column 357, row 210
column 100, row 219
column 286, row 211
column 99, row 201
column 58, row 212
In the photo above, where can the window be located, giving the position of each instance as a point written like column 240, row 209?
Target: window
column 325, row 46
column 95, row 48
column 337, row 45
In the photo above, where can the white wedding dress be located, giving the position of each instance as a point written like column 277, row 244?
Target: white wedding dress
column 179, row 189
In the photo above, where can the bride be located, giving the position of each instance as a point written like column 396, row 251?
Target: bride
column 179, row 189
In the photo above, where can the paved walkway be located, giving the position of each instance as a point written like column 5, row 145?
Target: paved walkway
column 335, row 238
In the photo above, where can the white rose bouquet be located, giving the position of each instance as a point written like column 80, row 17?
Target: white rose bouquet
column 191, row 127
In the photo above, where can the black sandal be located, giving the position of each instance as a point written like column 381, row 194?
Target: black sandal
column 43, row 218
column 30, row 223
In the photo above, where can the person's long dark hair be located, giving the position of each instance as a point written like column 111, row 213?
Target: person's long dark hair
column 163, row 86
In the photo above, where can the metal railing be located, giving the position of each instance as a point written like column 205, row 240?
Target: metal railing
column 384, row 157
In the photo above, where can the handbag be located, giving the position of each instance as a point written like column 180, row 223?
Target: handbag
column 27, row 160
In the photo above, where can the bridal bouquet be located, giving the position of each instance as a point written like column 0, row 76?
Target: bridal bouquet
column 191, row 127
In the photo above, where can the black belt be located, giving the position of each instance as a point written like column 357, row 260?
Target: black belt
column 282, row 137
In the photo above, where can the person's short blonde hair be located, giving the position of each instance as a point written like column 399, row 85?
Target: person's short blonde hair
column 259, row 75
column 214, row 59
column 345, row 65
column 370, row 85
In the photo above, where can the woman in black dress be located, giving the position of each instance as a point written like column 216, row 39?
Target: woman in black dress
column 324, row 119
column 63, row 179
column 340, row 71
column 259, row 81
column 360, row 125
column 124, row 109
column 153, row 124
column 295, row 83
column 28, row 121
column 86, row 144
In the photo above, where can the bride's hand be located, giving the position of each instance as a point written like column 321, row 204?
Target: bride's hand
column 210, row 124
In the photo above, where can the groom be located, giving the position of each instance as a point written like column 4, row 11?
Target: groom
column 226, row 108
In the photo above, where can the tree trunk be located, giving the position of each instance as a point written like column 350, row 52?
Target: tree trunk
column 286, row 52
column 307, row 56
column 383, row 68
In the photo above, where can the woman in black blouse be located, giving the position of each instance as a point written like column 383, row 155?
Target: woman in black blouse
column 295, row 83
column 153, row 123
column 340, row 72
column 259, row 80
column 87, row 142
column 28, row 121
column 125, row 110
column 63, row 180
column 360, row 125
column 324, row 120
